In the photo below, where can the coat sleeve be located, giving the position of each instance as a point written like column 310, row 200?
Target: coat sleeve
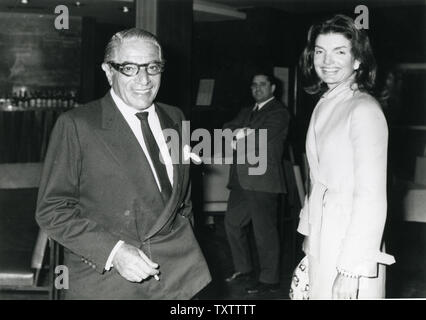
column 360, row 251
column 237, row 122
column 303, row 226
column 275, row 125
column 59, row 212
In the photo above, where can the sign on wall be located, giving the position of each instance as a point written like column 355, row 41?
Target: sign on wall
column 34, row 54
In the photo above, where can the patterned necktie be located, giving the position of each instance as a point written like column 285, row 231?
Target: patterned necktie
column 154, row 152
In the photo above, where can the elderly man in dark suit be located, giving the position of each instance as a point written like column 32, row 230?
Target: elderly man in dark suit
column 254, row 197
column 110, row 192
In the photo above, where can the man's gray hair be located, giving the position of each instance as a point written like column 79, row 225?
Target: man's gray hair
column 134, row 33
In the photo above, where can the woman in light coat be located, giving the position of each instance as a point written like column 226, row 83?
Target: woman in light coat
column 344, row 215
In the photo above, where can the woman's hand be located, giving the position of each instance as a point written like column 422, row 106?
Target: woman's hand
column 345, row 287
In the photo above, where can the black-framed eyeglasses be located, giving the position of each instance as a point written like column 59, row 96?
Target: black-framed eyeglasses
column 132, row 69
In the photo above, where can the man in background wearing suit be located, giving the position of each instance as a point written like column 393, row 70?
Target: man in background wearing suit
column 254, row 198
column 110, row 193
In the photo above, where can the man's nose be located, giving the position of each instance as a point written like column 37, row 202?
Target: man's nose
column 142, row 77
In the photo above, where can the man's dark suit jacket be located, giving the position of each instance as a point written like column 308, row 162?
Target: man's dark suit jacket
column 97, row 188
column 274, row 117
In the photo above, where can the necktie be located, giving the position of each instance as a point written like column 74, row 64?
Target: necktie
column 253, row 112
column 154, row 152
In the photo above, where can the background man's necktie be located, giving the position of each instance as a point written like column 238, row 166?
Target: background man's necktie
column 253, row 112
column 154, row 152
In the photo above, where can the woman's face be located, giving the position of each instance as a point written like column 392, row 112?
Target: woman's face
column 333, row 59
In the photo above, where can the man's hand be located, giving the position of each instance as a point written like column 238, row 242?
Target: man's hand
column 243, row 132
column 234, row 144
column 345, row 287
column 133, row 264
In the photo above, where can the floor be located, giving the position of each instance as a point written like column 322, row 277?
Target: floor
column 217, row 252
column 405, row 279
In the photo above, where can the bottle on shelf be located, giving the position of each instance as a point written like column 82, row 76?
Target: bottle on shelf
column 20, row 101
column 48, row 98
column 56, row 99
column 71, row 100
column 33, row 99
column 2, row 100
column 64, row 98
column 9, row 102
column 44, row 99
column 15, row 99
column 26, row 100
column 38, row 99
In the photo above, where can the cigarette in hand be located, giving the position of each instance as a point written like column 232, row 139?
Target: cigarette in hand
column 156, row 277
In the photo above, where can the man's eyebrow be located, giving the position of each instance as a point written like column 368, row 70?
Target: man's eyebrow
column 131, row 62
column 127, row 62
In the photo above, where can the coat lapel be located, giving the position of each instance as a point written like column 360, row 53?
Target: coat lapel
column 260, row 114
column 125, row 149
column 179, row 173
column 152, row 214
column 167, row 123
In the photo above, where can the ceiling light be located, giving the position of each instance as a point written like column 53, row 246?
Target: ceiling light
column 125, row 9
column 24, row 1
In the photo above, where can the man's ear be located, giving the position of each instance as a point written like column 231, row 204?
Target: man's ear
column 108, row 72
column 273, row 88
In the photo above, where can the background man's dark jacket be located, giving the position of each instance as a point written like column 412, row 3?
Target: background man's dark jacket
column 275, row 118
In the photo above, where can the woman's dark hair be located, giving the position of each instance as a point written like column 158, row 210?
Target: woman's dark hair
column 361, row 50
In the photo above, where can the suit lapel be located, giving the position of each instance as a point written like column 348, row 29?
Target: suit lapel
column 167, row 123
column 152, row 214
column 178, row 172
column 124, row 147
column 259, row 114
column 265, row 108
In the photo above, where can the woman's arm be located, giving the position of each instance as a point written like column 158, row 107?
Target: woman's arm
column 360, row 251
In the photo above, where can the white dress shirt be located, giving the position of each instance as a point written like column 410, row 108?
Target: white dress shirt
column 261, row 104
column 129, row 114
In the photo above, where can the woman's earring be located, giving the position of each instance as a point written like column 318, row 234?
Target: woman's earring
column 356, row 66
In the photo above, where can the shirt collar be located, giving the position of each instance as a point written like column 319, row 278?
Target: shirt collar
column 261, row 104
